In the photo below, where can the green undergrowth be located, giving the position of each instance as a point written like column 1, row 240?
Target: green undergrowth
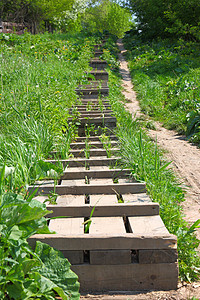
column 147, row 163
column 165, row 75
column 25, row 273
column 38, row 77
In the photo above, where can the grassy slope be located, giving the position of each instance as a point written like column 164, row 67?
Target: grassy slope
column 166, row 77
column 39, row 74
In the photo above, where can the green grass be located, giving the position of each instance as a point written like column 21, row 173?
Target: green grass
column 38, row 77
column 147, row 163
column 165, row 75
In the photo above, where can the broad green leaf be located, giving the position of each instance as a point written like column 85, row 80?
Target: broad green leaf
column 57, row 268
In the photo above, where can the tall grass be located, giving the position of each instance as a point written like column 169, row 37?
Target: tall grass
column 166, row 77
column 39, row 75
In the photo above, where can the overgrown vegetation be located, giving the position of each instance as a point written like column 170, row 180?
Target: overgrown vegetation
column 39, row 75
column 167, row 18
column 147, row 163
column 165, row 74
column 38, row 79
column 26, row 274
column 67, row 15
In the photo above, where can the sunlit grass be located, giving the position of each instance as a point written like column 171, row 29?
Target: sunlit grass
column 166, row 77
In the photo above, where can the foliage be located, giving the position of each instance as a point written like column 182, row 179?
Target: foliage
column 108, row 16
column 71, row 20
column 62, row 276
column 193, row 126
column 22, row 271
column 163, row 18
column 166, row 77
column 37, row 89
column 146, row 161
column 33, row 12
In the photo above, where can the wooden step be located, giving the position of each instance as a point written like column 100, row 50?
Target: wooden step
column 98, row 47
column 99, row 74
column 98, row 64
column 95, row 144
column 95, row 138
column 103, row 161
column 91, row 110
column 79, row 187
column 90, row 92
column 107, row 241
column 93, row 106
column 98, row 53
column 127, row 277
column 98, row 120
column 91, row 152
column 96, row 114
column 81, row 173
column 94, row 84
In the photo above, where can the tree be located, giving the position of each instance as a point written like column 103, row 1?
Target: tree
column 109, row 16
column 163, row 18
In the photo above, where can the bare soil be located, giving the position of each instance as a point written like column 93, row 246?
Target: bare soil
column 184, row 292
column 185, row 159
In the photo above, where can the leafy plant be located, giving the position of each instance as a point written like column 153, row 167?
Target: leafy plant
column 193, row 126
column 106, row 144
column 22, row 273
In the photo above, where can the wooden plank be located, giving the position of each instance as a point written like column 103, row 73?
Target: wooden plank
column 91, row 92
column 157, row 256
column 67, row 226
column 90, row 111
column 69, row 200
column 95, row 144
column 111, row 225
column 94, row 84
column 71, row 182
column 110, row 257
column 93, row 152
column 81, row 188
column 42, row 199
column 95, row 138
column 93, row 101
column 97, row 120
column 101, row 181
column 99, row 168
column 74, row 257
column 105, row 206
column 99, row 74
column 103, row 200
column 81, row 161
column 132, row 277
column 147, row 225
column 109, row 127
column 131, row 198
column 106, row 241
column 85, row 106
